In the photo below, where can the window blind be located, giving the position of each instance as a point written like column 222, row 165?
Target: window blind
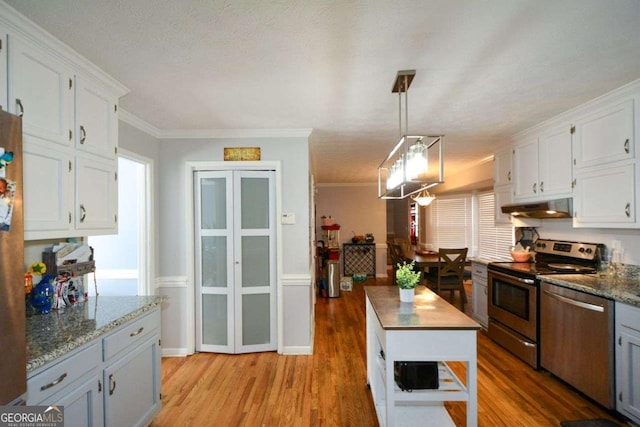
column 451, row 222
column 493, row 241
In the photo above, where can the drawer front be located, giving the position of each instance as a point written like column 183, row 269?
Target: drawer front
column 131, row 333
column 58, row 376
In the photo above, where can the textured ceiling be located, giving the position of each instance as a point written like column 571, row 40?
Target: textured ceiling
column 485, row 69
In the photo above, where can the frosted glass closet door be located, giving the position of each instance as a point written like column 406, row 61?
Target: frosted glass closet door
column 255, row 271
column 235, row 263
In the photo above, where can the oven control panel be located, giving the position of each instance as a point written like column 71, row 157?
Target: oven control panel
column 586, row 251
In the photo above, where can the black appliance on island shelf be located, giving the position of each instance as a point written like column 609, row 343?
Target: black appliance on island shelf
column 514, row 293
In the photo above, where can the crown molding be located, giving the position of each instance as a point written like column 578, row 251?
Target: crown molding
column 138, row 123
column 233, row 133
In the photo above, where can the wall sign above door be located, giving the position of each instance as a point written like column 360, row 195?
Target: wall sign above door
column 241, row 153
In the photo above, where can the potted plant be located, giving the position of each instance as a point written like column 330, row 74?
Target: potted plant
column 407, row 280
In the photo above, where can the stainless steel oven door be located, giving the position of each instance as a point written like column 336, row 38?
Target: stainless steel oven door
column 513, row 302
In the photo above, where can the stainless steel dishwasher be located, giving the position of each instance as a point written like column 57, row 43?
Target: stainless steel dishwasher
column 577, row 340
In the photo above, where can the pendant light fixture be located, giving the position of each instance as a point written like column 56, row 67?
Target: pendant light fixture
column 423, row 198
column 416, row 162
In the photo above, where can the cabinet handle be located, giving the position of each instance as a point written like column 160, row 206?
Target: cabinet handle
column 535, row 189
column 69, row 217
column 542, row 186
column 581, row 304
column 619, row 340
column 70, row 134
column 138, row 332
column 509, row 176
column 626, row 146
column 54, row 383
column 486, row 292
column 99, row 386
column 620, row 396
column 83, row 213
column 20, row 106
column 83, row 134
column 112, row 384
column 573, row 183
column 627, row 210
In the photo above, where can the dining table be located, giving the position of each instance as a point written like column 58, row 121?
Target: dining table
column 424, row 259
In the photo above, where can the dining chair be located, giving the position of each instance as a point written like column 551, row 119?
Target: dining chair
column 449, row 276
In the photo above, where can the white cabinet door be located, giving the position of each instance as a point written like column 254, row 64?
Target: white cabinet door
column 48, row 192
column 479, row 293
column 525, row 169
column 132, row 387
column 628, row 360
column 605, row 197
column 96, row 195
column 41, row 91
column 82, row 404
column 502, row 196
column 96, row 119
column 554, row 162
column 605, row 135
column 3, row 69
column 502, row 167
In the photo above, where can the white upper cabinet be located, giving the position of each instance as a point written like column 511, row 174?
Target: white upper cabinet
column 96, row 194
column 96, row 119
column 525, row 168
column 554, row 162
column 48, row 192
column 542, row 165
column 605, row 135
column 3, row 68
column 502, row 168
column 41, row 91
column 606, row 177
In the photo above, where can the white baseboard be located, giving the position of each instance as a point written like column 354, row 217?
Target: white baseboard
column 295, row 350
column 175, row 352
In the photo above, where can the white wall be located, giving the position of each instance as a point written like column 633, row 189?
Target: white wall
column 356, row 208
column 174, row 236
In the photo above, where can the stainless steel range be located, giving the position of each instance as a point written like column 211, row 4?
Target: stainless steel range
column 514, row 293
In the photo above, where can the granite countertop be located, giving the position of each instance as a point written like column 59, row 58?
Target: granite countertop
column 428, row 312
column 624, row 288
column 52, row 335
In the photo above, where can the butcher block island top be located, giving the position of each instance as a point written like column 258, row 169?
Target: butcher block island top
column 429, row 311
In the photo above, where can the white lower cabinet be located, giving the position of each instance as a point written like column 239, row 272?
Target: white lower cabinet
column 114, row 380
column 479, row 293
column 628, row 360
column 132, row 396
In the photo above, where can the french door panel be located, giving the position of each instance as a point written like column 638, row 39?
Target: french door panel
column 235, row 268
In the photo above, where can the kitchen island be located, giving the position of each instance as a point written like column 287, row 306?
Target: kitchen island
column 431, row 330
column 100, row 359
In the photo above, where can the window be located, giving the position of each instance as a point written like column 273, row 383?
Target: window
column 493, row 241
column 468, row 221
column 450, row 225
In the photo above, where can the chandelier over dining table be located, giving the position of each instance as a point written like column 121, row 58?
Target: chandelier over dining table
column 416, row 163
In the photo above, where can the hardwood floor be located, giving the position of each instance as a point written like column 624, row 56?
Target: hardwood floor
column 329, row 388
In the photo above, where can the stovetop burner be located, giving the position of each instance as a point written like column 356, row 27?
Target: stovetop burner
column 554, row 257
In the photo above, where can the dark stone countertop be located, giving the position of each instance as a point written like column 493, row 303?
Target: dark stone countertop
column 624, row 287
column 51, row 336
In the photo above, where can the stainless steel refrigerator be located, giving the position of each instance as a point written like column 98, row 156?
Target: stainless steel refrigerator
column 13, row 361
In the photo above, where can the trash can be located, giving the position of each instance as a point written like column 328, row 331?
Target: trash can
column 333, row 278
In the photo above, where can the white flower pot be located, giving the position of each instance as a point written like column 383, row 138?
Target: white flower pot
column 407, row 295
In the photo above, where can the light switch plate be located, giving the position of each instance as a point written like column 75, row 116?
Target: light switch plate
column 288, row 218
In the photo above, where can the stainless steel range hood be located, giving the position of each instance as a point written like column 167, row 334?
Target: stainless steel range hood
column 561, row 208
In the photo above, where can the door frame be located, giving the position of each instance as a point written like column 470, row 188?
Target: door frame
column 190, row 168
